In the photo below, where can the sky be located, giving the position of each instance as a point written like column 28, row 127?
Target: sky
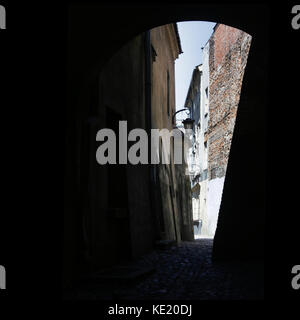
column 193, row 36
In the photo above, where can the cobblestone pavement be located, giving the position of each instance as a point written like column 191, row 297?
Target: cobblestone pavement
column 185, row 272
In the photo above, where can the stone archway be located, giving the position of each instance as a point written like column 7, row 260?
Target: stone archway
column 92, row 41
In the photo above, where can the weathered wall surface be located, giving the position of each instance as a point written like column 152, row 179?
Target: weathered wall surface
column 163, row 104
column 229, row 49
column 163, row 66
column 175, row 222
column 228, row 52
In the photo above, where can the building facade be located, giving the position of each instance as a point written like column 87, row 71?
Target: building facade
column 121, row 210
column 175, row 212
column 228, row 53
column 213, row 99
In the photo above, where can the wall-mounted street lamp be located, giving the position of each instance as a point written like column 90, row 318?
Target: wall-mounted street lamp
column 188, row 122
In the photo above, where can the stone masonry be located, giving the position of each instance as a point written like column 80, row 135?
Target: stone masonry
column 229, row 48
column 182, row 272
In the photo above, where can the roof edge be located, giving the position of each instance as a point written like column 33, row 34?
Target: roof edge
column 178, row 37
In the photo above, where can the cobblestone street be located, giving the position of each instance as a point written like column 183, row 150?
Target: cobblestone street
column 183, row 272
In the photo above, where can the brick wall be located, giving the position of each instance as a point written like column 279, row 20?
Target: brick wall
column 229, row 48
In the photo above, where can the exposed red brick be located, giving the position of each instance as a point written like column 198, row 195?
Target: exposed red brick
column 229, row 48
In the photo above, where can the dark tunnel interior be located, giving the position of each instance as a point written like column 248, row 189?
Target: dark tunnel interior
column 109, row 210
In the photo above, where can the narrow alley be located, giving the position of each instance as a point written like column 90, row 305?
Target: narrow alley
column 176, row 272
column 161, row 151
